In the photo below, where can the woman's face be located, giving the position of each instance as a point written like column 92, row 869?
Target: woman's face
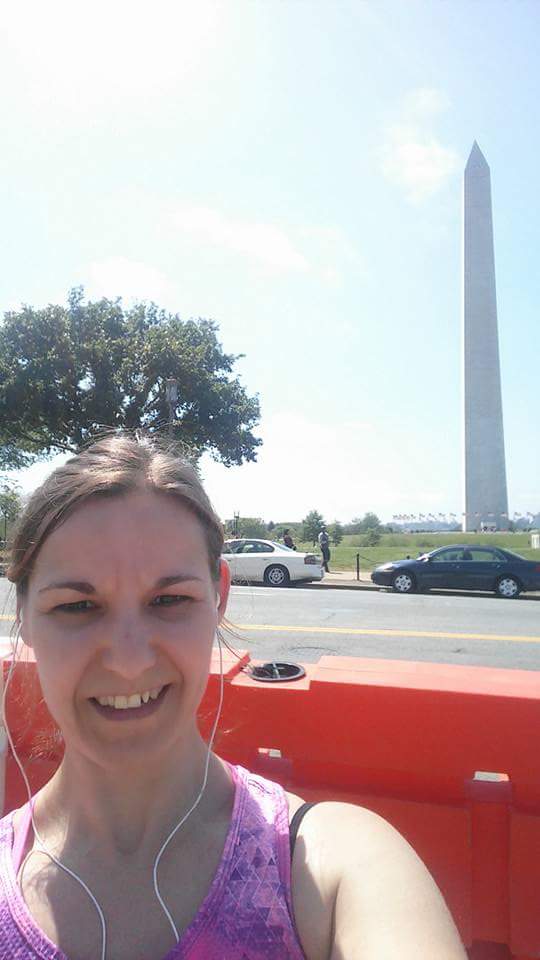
column 121, row 604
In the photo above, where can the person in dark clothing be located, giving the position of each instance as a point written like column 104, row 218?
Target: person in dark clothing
column 288, row 540
column 324, row 544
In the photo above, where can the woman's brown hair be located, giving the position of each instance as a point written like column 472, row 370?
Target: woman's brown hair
column 114, row 466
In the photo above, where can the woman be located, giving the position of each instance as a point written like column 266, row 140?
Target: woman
column 155, row 848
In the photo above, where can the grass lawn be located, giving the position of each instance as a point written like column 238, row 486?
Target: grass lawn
column 394, row 546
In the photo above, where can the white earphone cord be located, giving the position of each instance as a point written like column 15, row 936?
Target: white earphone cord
column 42, row 849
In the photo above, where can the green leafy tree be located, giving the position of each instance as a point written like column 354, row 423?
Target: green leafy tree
column 355, row 526
column 67, row 371
column 252, row 527
column 369, row 521
column 294, row 527
column 336, row 533
column 311, row 526
column 10, row 505
column 372, row 538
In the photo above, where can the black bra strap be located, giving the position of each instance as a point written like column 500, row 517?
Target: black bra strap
column 296, row 821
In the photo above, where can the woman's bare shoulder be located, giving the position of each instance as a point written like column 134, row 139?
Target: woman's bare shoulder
column 372, row 893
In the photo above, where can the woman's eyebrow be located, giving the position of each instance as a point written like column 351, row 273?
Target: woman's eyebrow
column 175, row 578
column 81, row 586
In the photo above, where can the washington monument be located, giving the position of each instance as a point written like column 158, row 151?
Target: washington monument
column 486, row 500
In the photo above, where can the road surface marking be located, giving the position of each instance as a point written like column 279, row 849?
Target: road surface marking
column 271, row 628
column 355, row 631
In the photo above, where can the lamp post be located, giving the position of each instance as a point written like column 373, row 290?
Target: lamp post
column 171, row 392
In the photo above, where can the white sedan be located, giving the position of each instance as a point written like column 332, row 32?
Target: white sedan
column 264, row 561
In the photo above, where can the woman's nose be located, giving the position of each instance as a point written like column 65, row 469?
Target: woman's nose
column 128, row 649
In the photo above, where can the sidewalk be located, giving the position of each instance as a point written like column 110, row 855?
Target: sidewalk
column 344, row 580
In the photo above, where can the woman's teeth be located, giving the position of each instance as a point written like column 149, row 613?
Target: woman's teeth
column 127, row 703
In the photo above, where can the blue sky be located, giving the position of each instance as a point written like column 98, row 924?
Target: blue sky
column 292, row 170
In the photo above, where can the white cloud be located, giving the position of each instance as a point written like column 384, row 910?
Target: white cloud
column 417, row 161
column 330, row 257
column 412, row 157
column 130, row 279
column 320, row 251
column 266, row 243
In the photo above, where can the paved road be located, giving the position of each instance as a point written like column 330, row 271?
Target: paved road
column 303, row 624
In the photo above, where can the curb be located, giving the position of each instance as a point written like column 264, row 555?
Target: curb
column 343, row 585
column 353, row 585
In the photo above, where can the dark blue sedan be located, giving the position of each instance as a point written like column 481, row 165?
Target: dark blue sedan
column 462, row 568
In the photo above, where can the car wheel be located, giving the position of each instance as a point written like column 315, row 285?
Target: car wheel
column 276, row 576
column 508, row 587
column 404, row 583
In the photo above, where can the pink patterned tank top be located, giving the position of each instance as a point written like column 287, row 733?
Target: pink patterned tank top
column 246, row 914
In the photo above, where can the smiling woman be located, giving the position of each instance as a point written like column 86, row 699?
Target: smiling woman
column 144, row 837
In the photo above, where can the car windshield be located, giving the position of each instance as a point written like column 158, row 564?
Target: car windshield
column 281, row 546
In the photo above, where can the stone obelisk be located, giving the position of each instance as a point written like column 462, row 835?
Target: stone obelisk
column 486, row 500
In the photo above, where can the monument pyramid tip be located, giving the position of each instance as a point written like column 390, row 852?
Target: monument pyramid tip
column 476, row 157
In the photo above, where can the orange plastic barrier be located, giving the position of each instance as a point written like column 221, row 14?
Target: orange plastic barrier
column 450, row 755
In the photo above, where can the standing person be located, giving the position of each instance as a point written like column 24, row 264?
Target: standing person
column 288, row 540
column 121, row 590
column 324, row 543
